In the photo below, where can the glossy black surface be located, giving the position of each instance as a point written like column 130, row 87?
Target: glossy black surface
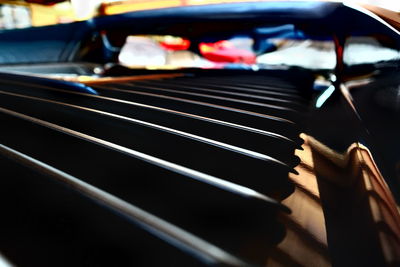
column 210, row 151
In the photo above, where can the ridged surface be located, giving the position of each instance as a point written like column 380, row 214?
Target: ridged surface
column 207, row 154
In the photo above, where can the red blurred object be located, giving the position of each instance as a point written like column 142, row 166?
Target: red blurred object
column 225, row 51
column 175, row 44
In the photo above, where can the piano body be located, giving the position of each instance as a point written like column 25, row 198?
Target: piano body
column 267, row 137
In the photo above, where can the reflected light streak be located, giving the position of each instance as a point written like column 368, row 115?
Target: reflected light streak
column 324, row 96
column 4, row 262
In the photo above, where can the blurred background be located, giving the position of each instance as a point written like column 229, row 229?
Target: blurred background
column 28, row 13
